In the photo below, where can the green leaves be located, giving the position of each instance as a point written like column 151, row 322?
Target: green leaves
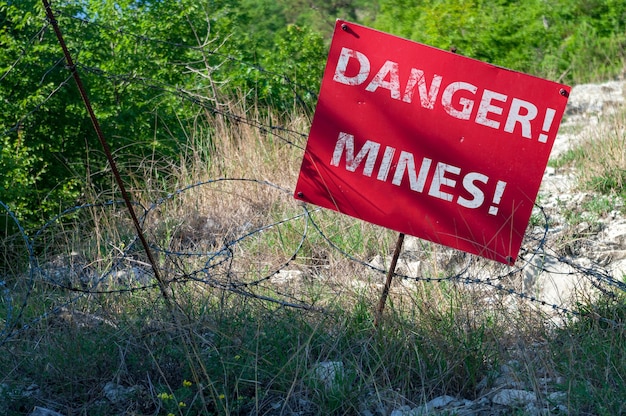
column 151, row 68
column 572, row 41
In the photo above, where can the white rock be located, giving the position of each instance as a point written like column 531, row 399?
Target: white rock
column 116, row 393
column 40, row 411
column 286, row 276
column 595, row 98
column 401, row 411
column 408, row 267
column 506, row 377
column 412, row 244
column 377, row 262
column 552, row 281
column 618, row 269
column 615, row 233
column 531, row 410
column 359, row 285
column 440, row 402
column 557, row 397
column 418, row 411
column 329, row 373
column 514, row 398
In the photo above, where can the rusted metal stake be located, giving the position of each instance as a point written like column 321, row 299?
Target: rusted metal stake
column 390, row 273
column 107, row 150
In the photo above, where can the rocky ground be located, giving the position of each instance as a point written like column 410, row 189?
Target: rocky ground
column 548, row 277
column 602, row 245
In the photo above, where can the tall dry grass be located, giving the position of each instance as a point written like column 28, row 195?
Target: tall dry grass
column 244, row 339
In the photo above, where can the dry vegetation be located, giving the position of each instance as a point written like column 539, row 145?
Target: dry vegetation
column 243, row 339
column 602, row 156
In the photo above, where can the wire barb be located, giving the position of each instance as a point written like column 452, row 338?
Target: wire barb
column 107, row 151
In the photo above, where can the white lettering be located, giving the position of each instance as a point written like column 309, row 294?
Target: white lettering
column 389, row 69
column 407, row 162
column 466, row 104
column 383, row 171
column 470, row 186
column 486, row 107
column 458, row 98
column 427, row 99
column 445, row 180
column 515, row 116
column 346, row 142
column 342, row 66
column 440, row 179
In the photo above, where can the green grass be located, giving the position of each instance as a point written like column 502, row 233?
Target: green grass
column 232, row 356
column 600, row 158
column 591, row 355
column 218, row 352
column 230, row 341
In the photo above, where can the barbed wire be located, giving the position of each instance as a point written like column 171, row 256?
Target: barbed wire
column 195, row 47
column 15, row 127
column 202, row 102
column 25, row 49
column 215, row 266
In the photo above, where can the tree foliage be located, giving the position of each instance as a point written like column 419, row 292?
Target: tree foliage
column 152, row 66
column 147, row 66
column 568, row 40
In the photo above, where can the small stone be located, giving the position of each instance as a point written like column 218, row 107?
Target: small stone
column 286, row 276
column 116, row 393
column 514, row 398
column 440, row 402
column 31, row 390
column 329, row 373
column 40, row 411
column 401, row 411
column 418, row 411
column 531, row 410
column 557, row 397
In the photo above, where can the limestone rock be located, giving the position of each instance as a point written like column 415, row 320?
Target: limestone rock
column 329, row 373
column 40, row 411
column 514, row 398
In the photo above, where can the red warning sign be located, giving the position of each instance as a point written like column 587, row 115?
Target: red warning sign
column 429, row 143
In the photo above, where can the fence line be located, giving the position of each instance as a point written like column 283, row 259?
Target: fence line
column 203, row 103
column 24, row 52
column 202, row 48
column 217, row 270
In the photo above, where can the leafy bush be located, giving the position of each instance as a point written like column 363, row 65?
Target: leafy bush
column 148, row 65
column 572, row 41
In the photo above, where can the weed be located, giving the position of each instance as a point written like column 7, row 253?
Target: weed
column 590, row 355
column 600, row 160
column 233, row 346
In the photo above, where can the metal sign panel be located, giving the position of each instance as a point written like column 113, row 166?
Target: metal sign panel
column 429, row 143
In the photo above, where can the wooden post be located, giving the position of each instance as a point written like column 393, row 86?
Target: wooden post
column 390, row 273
